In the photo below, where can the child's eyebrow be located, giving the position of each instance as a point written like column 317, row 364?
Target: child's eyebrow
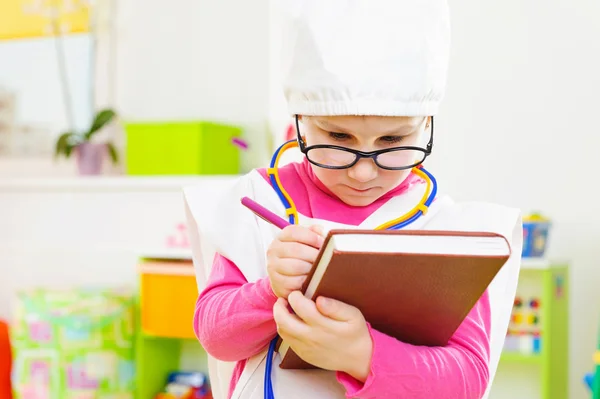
column 328, row 126
column 402, row 130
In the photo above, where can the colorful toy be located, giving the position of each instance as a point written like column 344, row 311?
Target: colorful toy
column 5, row 362
column 588, row 380
column 595, row 377
column 180, row 238
column 535, row 235
column 186, row 385
column 73, row 344
column 524, row 335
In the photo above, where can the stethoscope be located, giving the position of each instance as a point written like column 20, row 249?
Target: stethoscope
column 292, row 214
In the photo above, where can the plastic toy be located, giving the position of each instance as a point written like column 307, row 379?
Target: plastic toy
column 180, row 238
column 5, row 362
column 594, row 379
column 186, row 385
column 536, row 229
column 588, row 380
column 75, row 342
column 524, row 335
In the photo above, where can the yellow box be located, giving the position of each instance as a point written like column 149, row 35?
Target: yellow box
column 33, row 18
column 168, row 294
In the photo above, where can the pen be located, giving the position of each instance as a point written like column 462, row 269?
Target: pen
column 264, row 213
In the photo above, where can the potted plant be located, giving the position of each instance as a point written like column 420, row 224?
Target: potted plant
column 90, row 154
column 90, row 151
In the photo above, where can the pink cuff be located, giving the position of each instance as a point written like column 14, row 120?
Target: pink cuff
column 355, row 388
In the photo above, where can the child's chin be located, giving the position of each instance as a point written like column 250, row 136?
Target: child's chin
column 358, row 200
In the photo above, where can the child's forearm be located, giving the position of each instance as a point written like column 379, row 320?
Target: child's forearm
column 459, row 370
column 233, row 318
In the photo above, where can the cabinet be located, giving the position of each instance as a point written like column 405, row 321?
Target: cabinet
column 536, row 347
column 166, row 301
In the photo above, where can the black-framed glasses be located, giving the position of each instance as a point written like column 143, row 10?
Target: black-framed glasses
column 336, row 157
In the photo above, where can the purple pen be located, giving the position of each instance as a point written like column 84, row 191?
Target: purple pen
column 264, row 213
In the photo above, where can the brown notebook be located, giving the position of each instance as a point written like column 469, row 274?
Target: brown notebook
column 416, row 286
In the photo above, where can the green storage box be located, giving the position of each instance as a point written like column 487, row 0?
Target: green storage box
column 182, row 148
column 73, row 344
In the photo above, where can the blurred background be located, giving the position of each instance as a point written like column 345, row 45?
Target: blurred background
column 108, row 108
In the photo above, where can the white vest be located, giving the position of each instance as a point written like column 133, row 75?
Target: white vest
column 219, row 223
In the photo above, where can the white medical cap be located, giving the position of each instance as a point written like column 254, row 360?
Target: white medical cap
column 365, row 57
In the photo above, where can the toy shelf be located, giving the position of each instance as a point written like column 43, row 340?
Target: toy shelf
column 521, row 358
column 167, row 297
column 538, row 333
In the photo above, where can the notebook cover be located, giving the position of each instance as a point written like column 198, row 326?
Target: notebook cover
column 420, row 299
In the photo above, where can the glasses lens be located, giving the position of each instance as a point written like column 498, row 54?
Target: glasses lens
column 401, row 158
column 330, row 157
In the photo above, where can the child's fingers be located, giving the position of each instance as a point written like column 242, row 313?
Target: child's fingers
column 288, row 283
column 296, row 250
column 305, row 309
column 296, row 233
column 318, row 229
column 337, row 310
column 288, row 324
column 291, row 250
column 292, row 267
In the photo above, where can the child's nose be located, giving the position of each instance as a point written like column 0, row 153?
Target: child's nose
column 365, row 170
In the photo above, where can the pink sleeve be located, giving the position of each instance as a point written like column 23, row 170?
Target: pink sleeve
column 233, row 318
column 458, row 370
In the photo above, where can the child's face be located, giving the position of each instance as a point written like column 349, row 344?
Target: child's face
column 364, row 182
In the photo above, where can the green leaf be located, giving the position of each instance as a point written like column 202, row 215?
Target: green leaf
column 69, row 150
column 112, row 151
column 102, row 118
column 64, row 144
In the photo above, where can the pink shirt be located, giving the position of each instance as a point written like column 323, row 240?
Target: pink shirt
column 234, row 319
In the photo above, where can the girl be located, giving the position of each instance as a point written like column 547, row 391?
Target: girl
column 364, row 80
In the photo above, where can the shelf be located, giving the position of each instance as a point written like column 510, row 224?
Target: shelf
column 167, row 254
column 515, row 357
column 541, row 263
column 150, row 335
column 109, row 183
column 167, row 270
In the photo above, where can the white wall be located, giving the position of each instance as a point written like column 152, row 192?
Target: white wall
column 201, row 59
column 518, row 127
column 30, row 68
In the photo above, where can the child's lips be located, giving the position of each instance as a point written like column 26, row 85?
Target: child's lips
column 361, row 190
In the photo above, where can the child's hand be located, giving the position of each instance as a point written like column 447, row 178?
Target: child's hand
column 329, row 334
column 290, row 257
